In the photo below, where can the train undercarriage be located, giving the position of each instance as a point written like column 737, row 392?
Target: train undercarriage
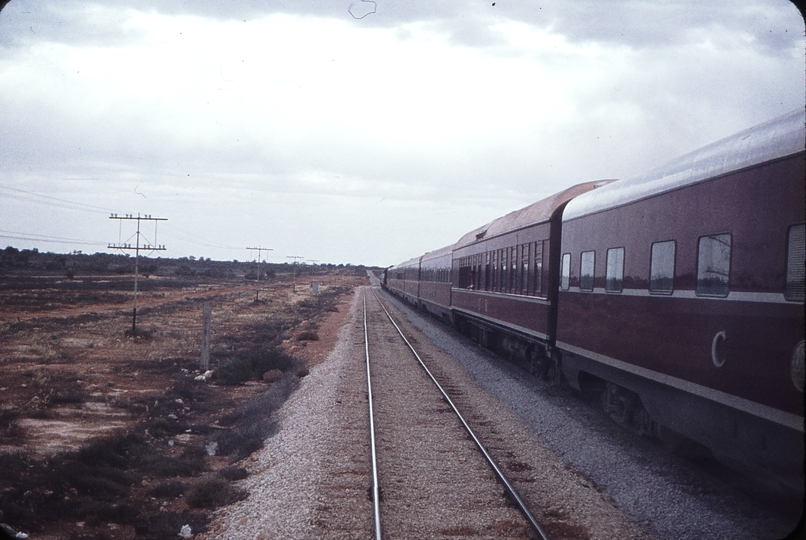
column 688, row 426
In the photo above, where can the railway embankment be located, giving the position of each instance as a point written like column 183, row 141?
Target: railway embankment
column 582, row 475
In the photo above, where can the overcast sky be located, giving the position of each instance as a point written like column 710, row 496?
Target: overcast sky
column 359, row 132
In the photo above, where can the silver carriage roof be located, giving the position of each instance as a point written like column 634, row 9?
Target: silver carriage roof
column 777, row 138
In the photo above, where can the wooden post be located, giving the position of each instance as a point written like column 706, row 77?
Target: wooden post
column 207, row 320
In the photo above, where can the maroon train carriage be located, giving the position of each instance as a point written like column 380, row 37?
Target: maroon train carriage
column 435, row 283
column 424, row 282
column 683, row 289
column 403, row 280
column 505, row 277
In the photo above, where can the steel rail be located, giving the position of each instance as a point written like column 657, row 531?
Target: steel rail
column 376, row 498
column 511, row 490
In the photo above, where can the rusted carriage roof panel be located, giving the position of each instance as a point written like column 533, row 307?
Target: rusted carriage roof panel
column 535, row 213
column 777, row 138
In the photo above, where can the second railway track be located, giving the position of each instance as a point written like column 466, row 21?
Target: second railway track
column 433, row 480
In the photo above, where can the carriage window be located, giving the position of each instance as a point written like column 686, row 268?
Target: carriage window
column 565, row 273
column 614, row 278
column 538, row 266
column 661, row 267
column 586, row 270
column 524, row 268
column 465, row 273
column 504, row 270
column 713, row 265
column 487, row 271
column 796, row 264
column 494, row 281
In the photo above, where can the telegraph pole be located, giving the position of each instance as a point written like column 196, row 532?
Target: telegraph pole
column 259, row 249
column 294, row 267
column 146, row 246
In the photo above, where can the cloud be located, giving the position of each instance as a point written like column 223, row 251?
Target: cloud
column 274, row 116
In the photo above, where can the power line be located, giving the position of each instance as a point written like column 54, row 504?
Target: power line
column 16, row 235
column 73, row 205
column 190, row 238
column 57, row 202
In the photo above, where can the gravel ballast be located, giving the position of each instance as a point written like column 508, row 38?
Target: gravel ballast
column 289, row 476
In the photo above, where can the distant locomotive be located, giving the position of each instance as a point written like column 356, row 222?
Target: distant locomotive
column 678, row 294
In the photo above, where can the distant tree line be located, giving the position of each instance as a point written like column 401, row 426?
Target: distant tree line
column 13, row 260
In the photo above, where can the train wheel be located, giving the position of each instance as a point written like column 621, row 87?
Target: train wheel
column 538, row 364
column 619, row 403
column 554, row 372
column 645, row 424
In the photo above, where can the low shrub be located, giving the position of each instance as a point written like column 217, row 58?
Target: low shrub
column 253, row 364
column 13, row 461
column 308, row 335
column 251, row 421
column 188, row 391
column 170, row 489
column 96, row 513
column 163, row 427
column 208, row 493
column 167, row 466
column 101, row 480
column 41, row 414
column 233, row 473
column 113, row 451
column 240, row 443
column 195, row 454
column 65, row 398
column 9, row 427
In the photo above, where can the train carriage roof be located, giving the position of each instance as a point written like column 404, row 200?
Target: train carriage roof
column 415, row 262
column 533, row 214
column 441, row 252
column 777, row 138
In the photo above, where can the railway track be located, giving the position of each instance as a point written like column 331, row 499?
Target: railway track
column 432, row 476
